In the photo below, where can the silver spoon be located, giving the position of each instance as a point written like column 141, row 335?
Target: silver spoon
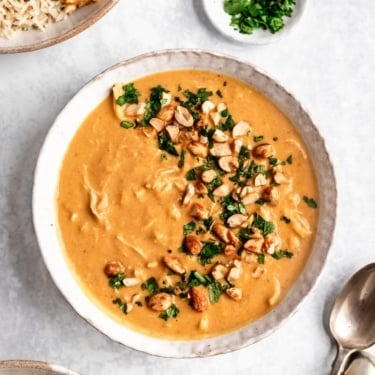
column 360, row 363
column 352, row 320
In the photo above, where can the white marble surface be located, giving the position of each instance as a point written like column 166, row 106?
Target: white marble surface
column 328, row 63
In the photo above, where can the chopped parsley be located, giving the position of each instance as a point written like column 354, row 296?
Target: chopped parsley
column 261, row 258
column 248, row 15
column 264, row 226
column 231, row 207
column 196, row 279
column 215, row 290
column 310, row 202
column 258, row 138
column 126, row 124
column 122, row 305
column 189, row 228
column 191, row 175
column 204, row 225
column 209, row 250
column 166, row 145
column 244, row 234
column 151, row 285
column 181, row 161
column 115, row 282
column 153, row 105
column 130, row 95
column 228, row 124
column 171, row 312
column 282, row 254
column 289, row 159
column 272, row 160
column 194, row 100
column 219, row 94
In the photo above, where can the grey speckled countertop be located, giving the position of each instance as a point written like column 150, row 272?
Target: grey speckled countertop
column 328, row 63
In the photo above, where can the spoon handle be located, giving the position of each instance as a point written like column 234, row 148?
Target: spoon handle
column 341, row 359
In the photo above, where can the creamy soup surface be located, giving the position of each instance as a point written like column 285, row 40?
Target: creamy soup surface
column 187, row 204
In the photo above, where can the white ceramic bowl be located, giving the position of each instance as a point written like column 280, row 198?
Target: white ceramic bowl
column 16, row 367
column 25, row 41
column 214, row 10
column 47, row 174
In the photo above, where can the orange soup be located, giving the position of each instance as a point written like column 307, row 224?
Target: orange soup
column 187, row 204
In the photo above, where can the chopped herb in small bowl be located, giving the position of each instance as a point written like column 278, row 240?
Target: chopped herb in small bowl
column 254, row 21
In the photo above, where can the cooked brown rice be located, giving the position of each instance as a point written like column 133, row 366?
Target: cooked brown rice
column 18, row 15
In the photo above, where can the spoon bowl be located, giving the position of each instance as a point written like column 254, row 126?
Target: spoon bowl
column 352, row 320
column 360, row 363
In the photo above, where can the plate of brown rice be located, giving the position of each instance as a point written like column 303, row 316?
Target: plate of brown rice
column 34, row 24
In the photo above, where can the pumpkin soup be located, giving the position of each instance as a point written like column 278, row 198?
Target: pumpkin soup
column 187, row 204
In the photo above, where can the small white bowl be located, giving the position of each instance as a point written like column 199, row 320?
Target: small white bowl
column 214, row 10
column 47, row 176
column 30, row 40
column 22, row 367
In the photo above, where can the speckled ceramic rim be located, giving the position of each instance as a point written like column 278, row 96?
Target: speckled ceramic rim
column 47, row 174
column 66, row 35
column 35, row 365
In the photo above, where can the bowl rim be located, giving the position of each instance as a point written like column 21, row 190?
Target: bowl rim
column 83, row 25
column 36, row 365
column 188, row 348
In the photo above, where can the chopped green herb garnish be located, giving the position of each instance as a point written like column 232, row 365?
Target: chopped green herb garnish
column 196, row 279
column 264, row 226
column 189, row 227
column 166, row 144
column 209, row 250
column 181, row 161
column 248, row 15
column 122, row 305
column 289, row 159
column 244, row 234
column 130, row 95
column 219, row 94
column 310, row 202
column 191, row 175
column 231, row 207
column 208, row 132
column 228, row 124
column 126, row 124
column 151, row 285
column 272, row 160
column 282, row 254
column 153, row 105
column 171, row 312
column 261, row 258
column 163, row 156
column 224, row 113
column 115, row 282
column 195, row 100
column 215, row 290
column 258, row 138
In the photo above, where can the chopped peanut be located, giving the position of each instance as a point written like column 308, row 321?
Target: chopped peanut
column 113, row 268
column 263, row 151
column 174, row 263
column 160, row 302
column 199, row 298
column 192, row 244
